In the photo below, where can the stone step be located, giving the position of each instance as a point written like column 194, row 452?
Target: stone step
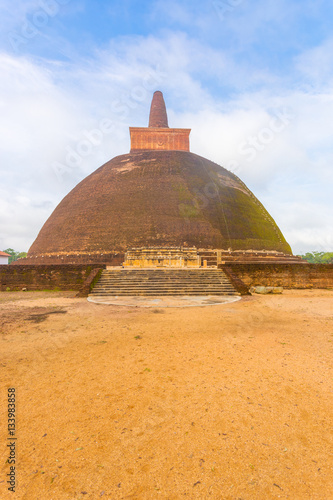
column 174, row 278
column 159, row 282
column 164, row 276
column 167, row 288
column 165, row 285
column 163, row 273
column 170, row 282
column 182, row 287
column 166, row 293
column 165, row 270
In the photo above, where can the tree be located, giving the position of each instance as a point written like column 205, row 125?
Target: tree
column 318, row 257
column 14, row 255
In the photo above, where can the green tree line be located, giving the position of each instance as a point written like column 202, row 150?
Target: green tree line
column 318, row 257
column 14, row 255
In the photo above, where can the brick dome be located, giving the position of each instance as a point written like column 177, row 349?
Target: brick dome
column 158, row 196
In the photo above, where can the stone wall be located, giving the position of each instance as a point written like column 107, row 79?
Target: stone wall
column 74, row 277
column 286, row 275
column 90, row 282
column 62, row 277
column 109, row 259
column 237, row 283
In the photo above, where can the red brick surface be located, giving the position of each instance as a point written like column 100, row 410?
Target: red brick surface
column 159, row 139
column 158, row 115
column 63, row 277
column 288, row 276
column 109, row 259
column 156, row 198
column 78, row 277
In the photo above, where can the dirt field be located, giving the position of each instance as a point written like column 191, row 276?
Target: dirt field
column 222, row 402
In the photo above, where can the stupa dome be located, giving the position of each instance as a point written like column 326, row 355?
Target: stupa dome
column 160, row 194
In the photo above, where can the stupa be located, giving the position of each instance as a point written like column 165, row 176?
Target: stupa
column 160, row 195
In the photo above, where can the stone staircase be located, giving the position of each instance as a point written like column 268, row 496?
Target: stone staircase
column 162, row 282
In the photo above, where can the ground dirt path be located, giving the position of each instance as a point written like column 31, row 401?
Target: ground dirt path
column 223, row 402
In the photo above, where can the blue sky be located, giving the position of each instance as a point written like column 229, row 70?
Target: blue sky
column 254, row 81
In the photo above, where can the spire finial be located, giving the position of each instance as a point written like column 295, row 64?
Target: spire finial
column 158, row 116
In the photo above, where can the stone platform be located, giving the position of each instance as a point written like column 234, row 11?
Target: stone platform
column 163, row 302
column 172, row 257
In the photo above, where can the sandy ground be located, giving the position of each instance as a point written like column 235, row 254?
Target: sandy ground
column 225, row 402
